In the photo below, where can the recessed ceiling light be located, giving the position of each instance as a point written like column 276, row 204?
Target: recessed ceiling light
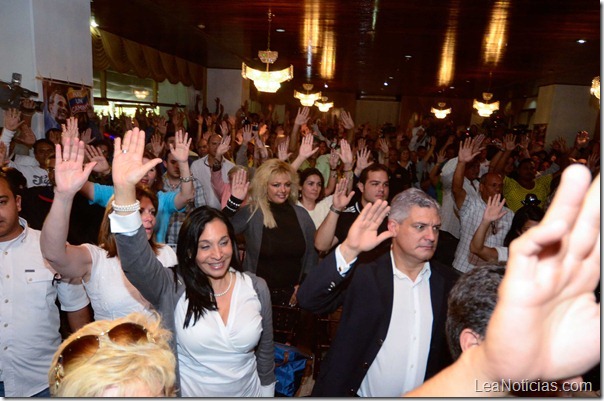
column 581, row 41
column 408, row 56
column 201, row 26
column 390, row 77
column 385, row 83
column 326, row 86
column 451, row 87
column 279, row 30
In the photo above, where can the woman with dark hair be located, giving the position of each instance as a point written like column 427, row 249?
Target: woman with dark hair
column 526, row 217
column 312, row 195
column 111, row 294
column 221, row 318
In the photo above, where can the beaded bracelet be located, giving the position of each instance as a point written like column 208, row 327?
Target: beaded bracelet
column 186, row 179
column 135, row 207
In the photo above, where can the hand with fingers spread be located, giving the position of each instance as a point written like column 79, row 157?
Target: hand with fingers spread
column 247, row 134
column 509, row 142
column 162, row 126
column 282, row 152
column 12, row 119
column 26, row 136
column 302, row 116
column 346, row 120
column 180, row 149
column 240, row 184
column 441, row 156
column 128, row 167
column 70, row 173
column 467, row 153
column 334, row 159
column 225, row 145
column 363, row 234
column 87, row 136
column 157, row 144
column 55, row 137
column 340, row 198
column 362, row 160
column 346, row 155
column 494, row 210
column 70, row 128
column 306, row 149
column 383, row 146
column 94, row 154
column 593, row 162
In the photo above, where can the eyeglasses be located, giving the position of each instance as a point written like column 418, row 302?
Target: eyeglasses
column 87, row 346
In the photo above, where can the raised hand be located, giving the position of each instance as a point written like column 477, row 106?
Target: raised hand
column 94, row 154
column 247, row 134
column 509, row 142
column 282, row 152
column 361, row 143
column 593, row 162
column 162, row 126
column 340, row 199
column 70, row 129
column 363, row 158
column 306, row 149
column 494, row 210
column 549, row 285
column 240, row 184
column 441, row 156
column 466, row 151
column 157, row 144
column 12, row 119
column 346, row 120
column 383, row 146
column 225, row 145
column 128, row 167
column 302, row 116
column 180, row 149
column 363, row 235
column 55, row 137
column 345, row 154
column 69, row 175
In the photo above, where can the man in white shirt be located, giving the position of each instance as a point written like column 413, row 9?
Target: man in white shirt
column 391, row 335
column 29, row 318
column 202, row 169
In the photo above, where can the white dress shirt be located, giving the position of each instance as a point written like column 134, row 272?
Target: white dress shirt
column 400, row 365
column 29, row 318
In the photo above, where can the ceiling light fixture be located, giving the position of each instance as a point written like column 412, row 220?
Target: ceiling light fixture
column 441, row 112
column 595, row 87
column 141, row 94
column 307, row 99
column 486, row 109
column 267, row 81
column 323, row 105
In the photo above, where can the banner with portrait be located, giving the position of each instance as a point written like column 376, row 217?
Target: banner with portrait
column 63, row 100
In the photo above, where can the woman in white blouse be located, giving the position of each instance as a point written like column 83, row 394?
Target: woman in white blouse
column 111, row 294
column 221, row 317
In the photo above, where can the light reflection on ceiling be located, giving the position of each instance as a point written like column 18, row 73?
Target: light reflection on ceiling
column 496, row 36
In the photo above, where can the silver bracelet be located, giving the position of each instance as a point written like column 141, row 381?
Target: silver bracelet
column 187, row 179
column 135, row 207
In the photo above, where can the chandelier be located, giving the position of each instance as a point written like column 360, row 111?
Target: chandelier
column 441, row 112
column 486, row 109
column 323, row 105
column 267, row 81
column 307, row 99
column 595, row 87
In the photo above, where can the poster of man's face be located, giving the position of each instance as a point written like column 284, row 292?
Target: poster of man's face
column 62, row 100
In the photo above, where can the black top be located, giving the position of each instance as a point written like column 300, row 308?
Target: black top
column 282, row 249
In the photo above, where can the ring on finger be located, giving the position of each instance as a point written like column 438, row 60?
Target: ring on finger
column 124, row 151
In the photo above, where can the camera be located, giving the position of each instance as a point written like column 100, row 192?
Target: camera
column 255, row 127
column 11, row 94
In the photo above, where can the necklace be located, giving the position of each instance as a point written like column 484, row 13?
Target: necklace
column 228, row 288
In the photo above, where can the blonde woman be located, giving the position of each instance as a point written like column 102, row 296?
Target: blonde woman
column 126, row 357
column 279, row 235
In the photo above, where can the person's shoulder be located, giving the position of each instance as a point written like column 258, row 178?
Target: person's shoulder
column 258, row 283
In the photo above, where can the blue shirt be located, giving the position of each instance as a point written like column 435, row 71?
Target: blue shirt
column 166, row 206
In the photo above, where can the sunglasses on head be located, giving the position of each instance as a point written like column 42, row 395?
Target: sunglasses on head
column 88, row 345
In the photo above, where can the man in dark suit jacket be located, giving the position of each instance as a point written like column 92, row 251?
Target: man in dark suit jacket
column 372, row 354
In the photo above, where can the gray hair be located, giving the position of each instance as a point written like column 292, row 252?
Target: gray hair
column 401, row 204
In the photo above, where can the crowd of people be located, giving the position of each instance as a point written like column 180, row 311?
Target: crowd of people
column 168, row 245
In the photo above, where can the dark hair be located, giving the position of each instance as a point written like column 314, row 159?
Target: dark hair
column 16, row 181
column 307, row 173
column 369, row 169
column 471, row 303
column 48, row 131
column 198, row 289
column 522, row 215
column 41, row 141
